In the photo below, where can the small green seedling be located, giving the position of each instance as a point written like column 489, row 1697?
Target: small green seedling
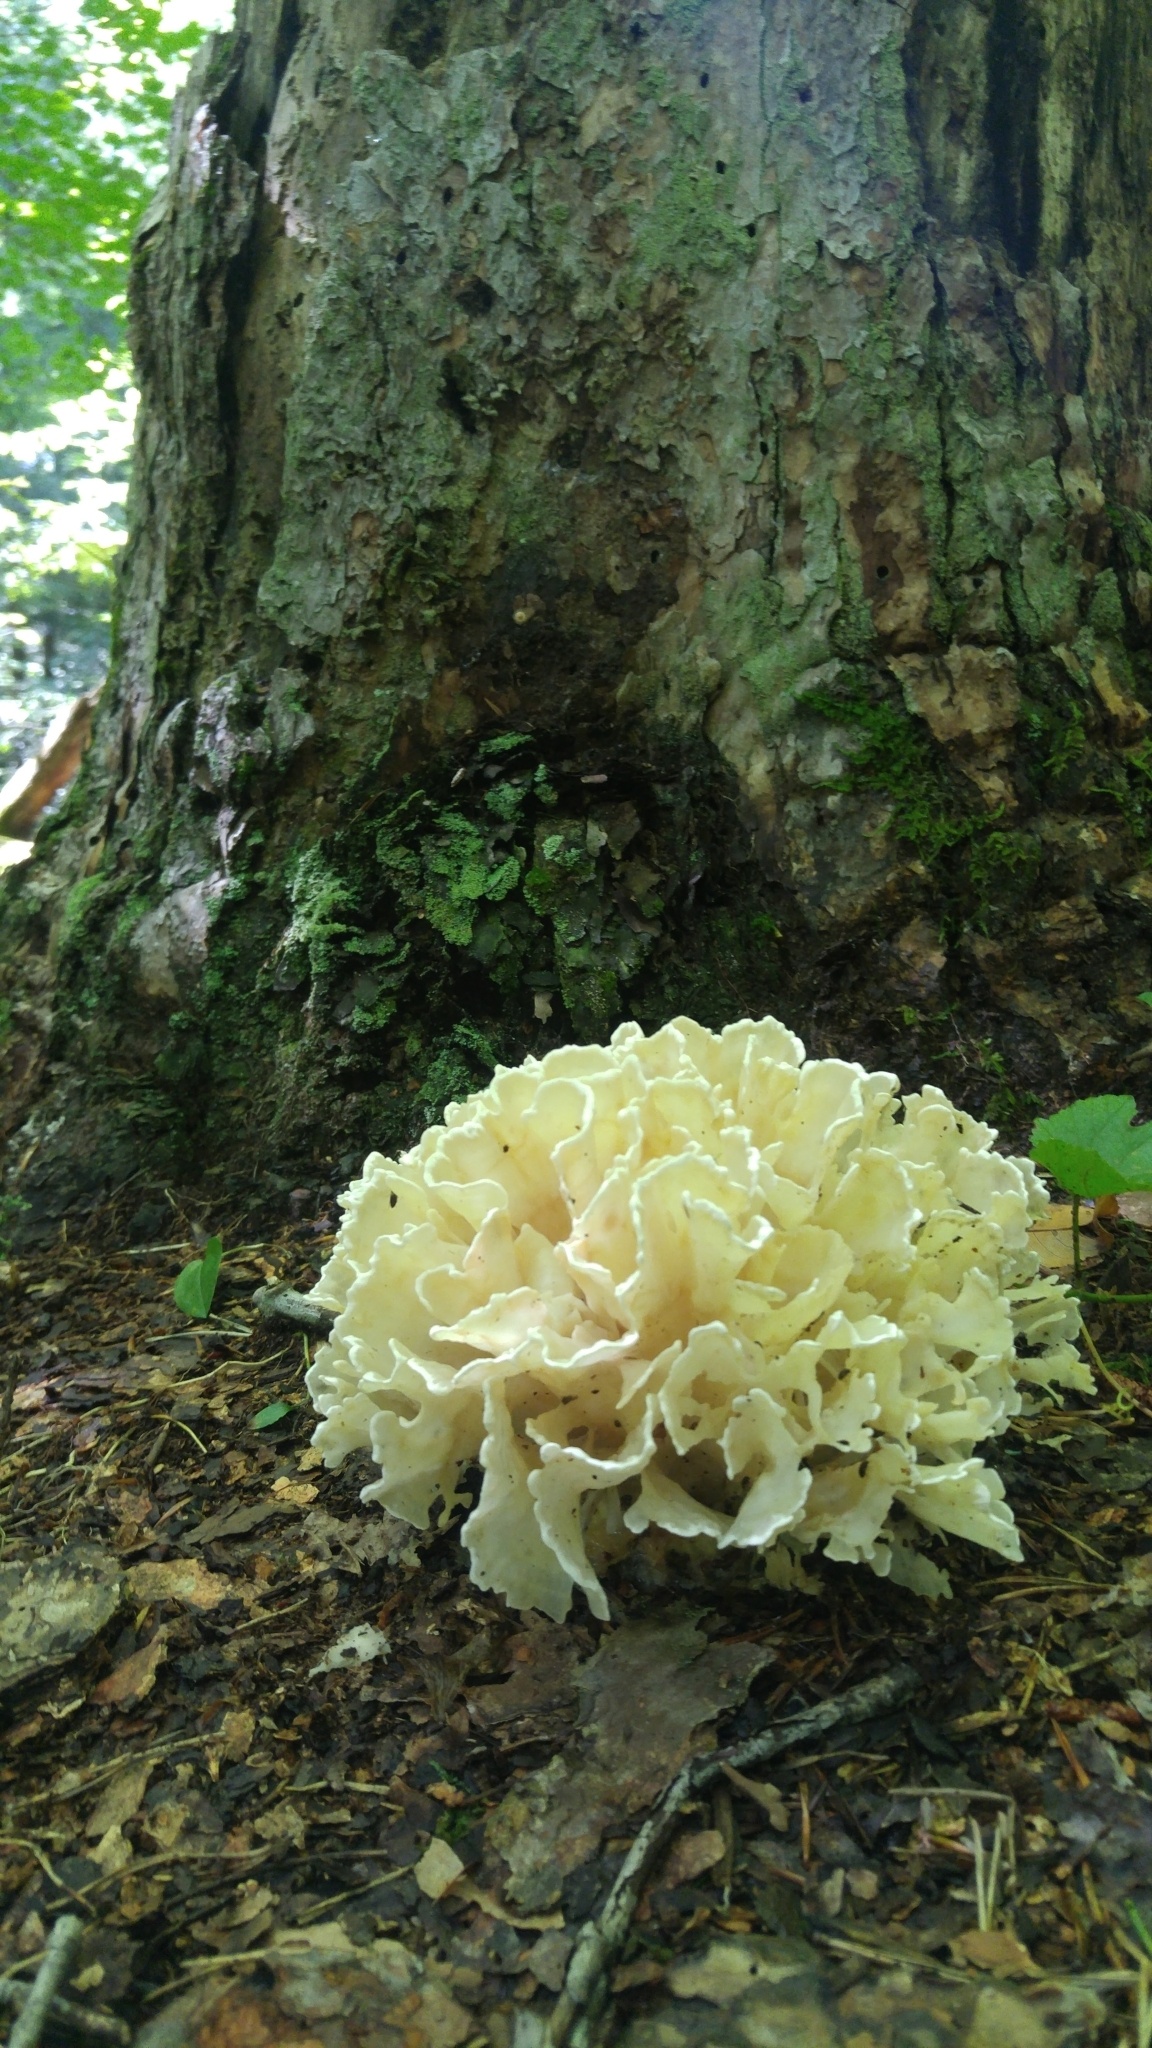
column 274, row 1412
column 1093, row 1148
column 196, row 1285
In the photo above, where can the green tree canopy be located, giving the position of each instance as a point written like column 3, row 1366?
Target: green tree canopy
column 86, row 116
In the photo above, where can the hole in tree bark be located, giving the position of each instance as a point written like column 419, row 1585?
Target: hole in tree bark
column 1016, row 63
column 419, row 31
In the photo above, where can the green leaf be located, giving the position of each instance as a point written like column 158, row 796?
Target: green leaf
column 196, row 1285
column 274, row 1412
column 1146, row 998
column 1093, row 1148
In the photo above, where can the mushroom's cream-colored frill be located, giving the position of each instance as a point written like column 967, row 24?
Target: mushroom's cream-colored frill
column 697, row 1281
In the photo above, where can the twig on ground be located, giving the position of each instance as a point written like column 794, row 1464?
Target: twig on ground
column 581, row 2003
column 10, row 1379
column 283, row 1304
column 64, row 2012
column 63, row 1943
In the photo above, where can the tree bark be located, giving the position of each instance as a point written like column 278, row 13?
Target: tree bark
column 639, row 506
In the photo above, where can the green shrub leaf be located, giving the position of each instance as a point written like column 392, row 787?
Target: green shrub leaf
column 274, row 1412
column 1092, row 1147
column 196, row 1285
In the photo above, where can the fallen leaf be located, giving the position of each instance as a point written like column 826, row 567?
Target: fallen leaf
column 139, row 1897
column 996, row 1949
column 315, row 1983
column 164, row 1823
column 232, row 1740
column 1053, row 1239
column 120, row 1798
column 296, row 1493
column 283, row 1824
column 647, row 1691
column 187, row 1580
column 232, row 1940
column 133, row 1680
column 863, row 1885
column 251, row 1901
column 112, row 1852
column 438, row 1870
column 548, row 1959
column 532, row 1923
column 236, row 1521
column 542, row 1681
column 24, row 1731
column 728, row 1969
column 690, row 1856
column 448, row 1795
column 630, row 1976
column 1136, row 1208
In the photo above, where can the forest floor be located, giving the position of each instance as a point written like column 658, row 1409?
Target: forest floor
column 305, row 1785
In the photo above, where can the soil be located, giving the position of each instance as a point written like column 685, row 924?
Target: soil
column 296, row 1698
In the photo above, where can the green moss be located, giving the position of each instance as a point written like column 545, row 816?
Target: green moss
column 1106, row 612
column 892, row 753
column 984, row 871
column 82, row 898
column 852, row 634
column 1133, row 531
column 482, row 914
column 1003, row 868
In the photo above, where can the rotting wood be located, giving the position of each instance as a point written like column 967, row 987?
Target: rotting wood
column 284, row 1305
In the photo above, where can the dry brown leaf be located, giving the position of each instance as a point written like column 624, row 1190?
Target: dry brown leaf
column 294, row 1493
column 1053, row 1240
column 691, row 1856
column 164, row 1823
column 438, row 1870
column 185, row 1579
column 120, row 1798
column 996, row 1949
column 112, row 1852
column 232, row 1741
column 630, row 1976
column 531, row 1923
column 448, row 1795
column 283, row 1824
column 133, row 1680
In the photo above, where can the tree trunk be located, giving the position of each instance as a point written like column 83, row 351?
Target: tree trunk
column 639, row 506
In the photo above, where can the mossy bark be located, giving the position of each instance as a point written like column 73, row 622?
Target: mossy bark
column 636, row 507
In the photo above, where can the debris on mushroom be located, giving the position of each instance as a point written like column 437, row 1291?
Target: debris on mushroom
column 694, row 1281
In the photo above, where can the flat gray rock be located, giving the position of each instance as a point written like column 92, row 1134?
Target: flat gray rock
column 52, row 1609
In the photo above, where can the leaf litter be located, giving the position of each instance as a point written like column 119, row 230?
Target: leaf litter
column 241, row 1819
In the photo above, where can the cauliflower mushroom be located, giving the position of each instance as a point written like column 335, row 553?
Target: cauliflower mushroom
column 694, row 1281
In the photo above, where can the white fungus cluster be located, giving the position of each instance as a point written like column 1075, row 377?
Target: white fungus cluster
column 699, row 1282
